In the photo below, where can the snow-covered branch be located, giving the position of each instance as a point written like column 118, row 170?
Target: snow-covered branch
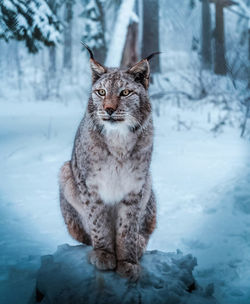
column 32, row 21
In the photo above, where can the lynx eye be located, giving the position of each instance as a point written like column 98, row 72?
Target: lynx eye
column 101, row 92
column 125, row 92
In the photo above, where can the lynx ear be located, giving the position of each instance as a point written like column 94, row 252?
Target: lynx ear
column 141, row 70
column 97, row 69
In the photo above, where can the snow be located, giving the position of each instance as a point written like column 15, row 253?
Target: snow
column 67, row 277
column 10, row 6
column 201, row 182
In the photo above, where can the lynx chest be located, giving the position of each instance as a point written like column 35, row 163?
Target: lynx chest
column 113, row 180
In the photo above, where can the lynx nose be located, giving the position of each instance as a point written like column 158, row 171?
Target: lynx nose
column 110, row 111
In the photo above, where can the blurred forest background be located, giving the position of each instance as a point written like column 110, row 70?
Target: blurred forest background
column 205, row 49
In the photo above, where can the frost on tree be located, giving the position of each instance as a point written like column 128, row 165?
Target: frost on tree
column 94, row 28
column 31, row 21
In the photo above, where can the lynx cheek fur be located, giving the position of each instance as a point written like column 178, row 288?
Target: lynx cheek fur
column 106, row 195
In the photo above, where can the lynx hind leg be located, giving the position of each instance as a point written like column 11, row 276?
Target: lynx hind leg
column 70, row 215
column 73, row 222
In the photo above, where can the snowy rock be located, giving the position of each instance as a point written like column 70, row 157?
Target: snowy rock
column 67, row 277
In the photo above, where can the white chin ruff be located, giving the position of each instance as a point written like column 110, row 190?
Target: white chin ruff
column 119, row 127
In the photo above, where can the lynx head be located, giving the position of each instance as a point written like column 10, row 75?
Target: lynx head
column 119, row 99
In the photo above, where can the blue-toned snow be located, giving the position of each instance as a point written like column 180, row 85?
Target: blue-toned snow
column 201, row 183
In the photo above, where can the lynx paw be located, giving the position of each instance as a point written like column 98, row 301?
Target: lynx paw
column 128, row 270
column 102, row 259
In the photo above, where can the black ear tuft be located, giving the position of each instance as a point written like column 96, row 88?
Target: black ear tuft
column 97, row 69
column 152, row 55
column 88, row 49
column 141, row 70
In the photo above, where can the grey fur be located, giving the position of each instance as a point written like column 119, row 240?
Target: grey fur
column 105, row 190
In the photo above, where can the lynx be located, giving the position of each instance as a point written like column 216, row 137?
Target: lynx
column 106, row 194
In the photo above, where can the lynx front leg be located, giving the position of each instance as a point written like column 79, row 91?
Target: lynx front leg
column 102, row 235
column 128, row 240
column 97, row 217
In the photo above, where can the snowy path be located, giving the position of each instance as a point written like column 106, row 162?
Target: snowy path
column 201, row 182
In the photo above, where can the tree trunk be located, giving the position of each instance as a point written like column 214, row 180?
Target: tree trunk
column 52, row 49
column 118, row 39
column 1, row 58
column 18, row 64
column 101, row 52
column 131, row 48
column 52, row 59
column 150, row 32
column 220, row 66
column 248, row 58
column 130, row 51
column 68, row 16
column 206, row 36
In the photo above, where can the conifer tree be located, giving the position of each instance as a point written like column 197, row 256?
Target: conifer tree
column 29, row 20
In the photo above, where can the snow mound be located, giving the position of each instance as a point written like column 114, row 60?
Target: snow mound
column 67, row 277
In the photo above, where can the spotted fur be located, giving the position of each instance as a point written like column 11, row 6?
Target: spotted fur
column 105, row 189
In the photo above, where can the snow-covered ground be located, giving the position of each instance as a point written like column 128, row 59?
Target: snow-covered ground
column 201, row 182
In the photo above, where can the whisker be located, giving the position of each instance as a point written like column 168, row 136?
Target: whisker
column 133, row 120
